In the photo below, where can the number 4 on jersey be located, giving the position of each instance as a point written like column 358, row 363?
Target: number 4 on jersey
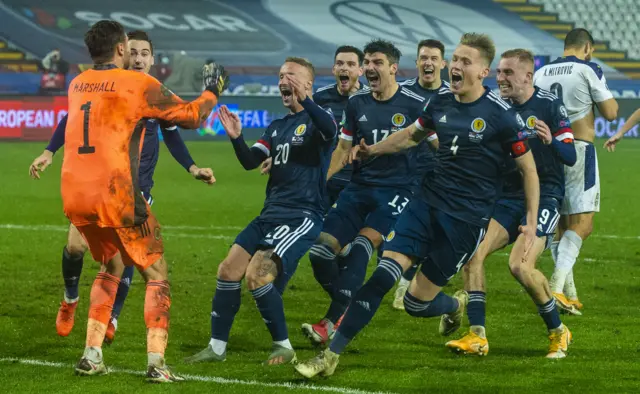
column 454, row 147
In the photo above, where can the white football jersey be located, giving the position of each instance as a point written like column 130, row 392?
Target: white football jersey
column 579, row 83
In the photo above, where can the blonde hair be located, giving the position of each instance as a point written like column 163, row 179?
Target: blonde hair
column 482, row 43
column 304, row 63
column 523, row 56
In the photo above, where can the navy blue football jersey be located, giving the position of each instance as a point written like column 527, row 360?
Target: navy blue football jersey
column 475, row 138
column 374, row 120
column 329, row 97
column 425, row 156
column 549, row 108
column 301, row 158
column 149, row 154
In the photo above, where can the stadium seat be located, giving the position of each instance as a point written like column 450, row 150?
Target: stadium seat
column 616, row 21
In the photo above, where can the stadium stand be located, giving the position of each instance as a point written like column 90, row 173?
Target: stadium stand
column 15, row 60
column 614, row 24
column 252, row 37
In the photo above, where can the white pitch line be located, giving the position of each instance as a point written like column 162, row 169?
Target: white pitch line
column 200, row 378
column 167, row 234
column 53, row 227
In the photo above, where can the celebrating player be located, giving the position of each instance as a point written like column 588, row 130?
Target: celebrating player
column 551, row 141
column 141, row 60
column 429, row 63
column 267, row 251
column 447, row 222
column 379, row 190
column 100, row 190
column 581, row 85
column 347, row 68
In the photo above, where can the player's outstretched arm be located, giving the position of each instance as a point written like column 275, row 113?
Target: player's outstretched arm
column 561, row 142
column 398, row 141
column 180, row 153
column 339, row 157
column 46, row 158
column 159, row 102
column 527, row 167
column 250, row 158
column 633, row 120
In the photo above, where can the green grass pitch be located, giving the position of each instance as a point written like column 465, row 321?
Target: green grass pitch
column 395, row 353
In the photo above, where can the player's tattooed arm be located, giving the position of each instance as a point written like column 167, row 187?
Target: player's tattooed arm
column 340, row 157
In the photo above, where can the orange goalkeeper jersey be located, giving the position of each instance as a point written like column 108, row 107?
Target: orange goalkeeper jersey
column 108, row 108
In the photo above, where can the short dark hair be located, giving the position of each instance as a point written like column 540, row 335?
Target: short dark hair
column 578, row 38
column 386, row 47
column 431, row 43
column 102, row 38
column 304, row 63
column 349, row 49
column 482, row 43
column 140, row 35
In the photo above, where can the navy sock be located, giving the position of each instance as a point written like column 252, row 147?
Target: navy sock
column 438, row 306
column 123, row 290
column 550, row 314
column 71, row 270
column 476, row 308
column 225, row 305
column 366, row 302
column 325, row 267
column 351, row 277
column 270, row 305
column 410, row 273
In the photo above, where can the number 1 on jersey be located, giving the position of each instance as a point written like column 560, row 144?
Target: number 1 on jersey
column 86, row 148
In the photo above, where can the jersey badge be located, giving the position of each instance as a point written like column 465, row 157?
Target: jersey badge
column 478, row 125
column 391, row 235
column 298, row 138
column 300, row 130
column 398, row 120
column 531, row 122
column 274, row 134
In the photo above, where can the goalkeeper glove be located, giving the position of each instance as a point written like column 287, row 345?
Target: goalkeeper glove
column 215, row 78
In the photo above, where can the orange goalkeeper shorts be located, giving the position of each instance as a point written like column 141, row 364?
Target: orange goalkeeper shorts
column 140, row 246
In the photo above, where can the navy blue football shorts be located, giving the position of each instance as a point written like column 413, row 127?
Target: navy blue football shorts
column 362, row 206
column 441, row 242
column 290, row 238
column 510, row 213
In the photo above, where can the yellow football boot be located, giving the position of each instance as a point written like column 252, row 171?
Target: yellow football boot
column 470, row 343
column 559, row 343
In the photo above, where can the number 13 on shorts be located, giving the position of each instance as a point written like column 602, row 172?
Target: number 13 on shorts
column 399, row 206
